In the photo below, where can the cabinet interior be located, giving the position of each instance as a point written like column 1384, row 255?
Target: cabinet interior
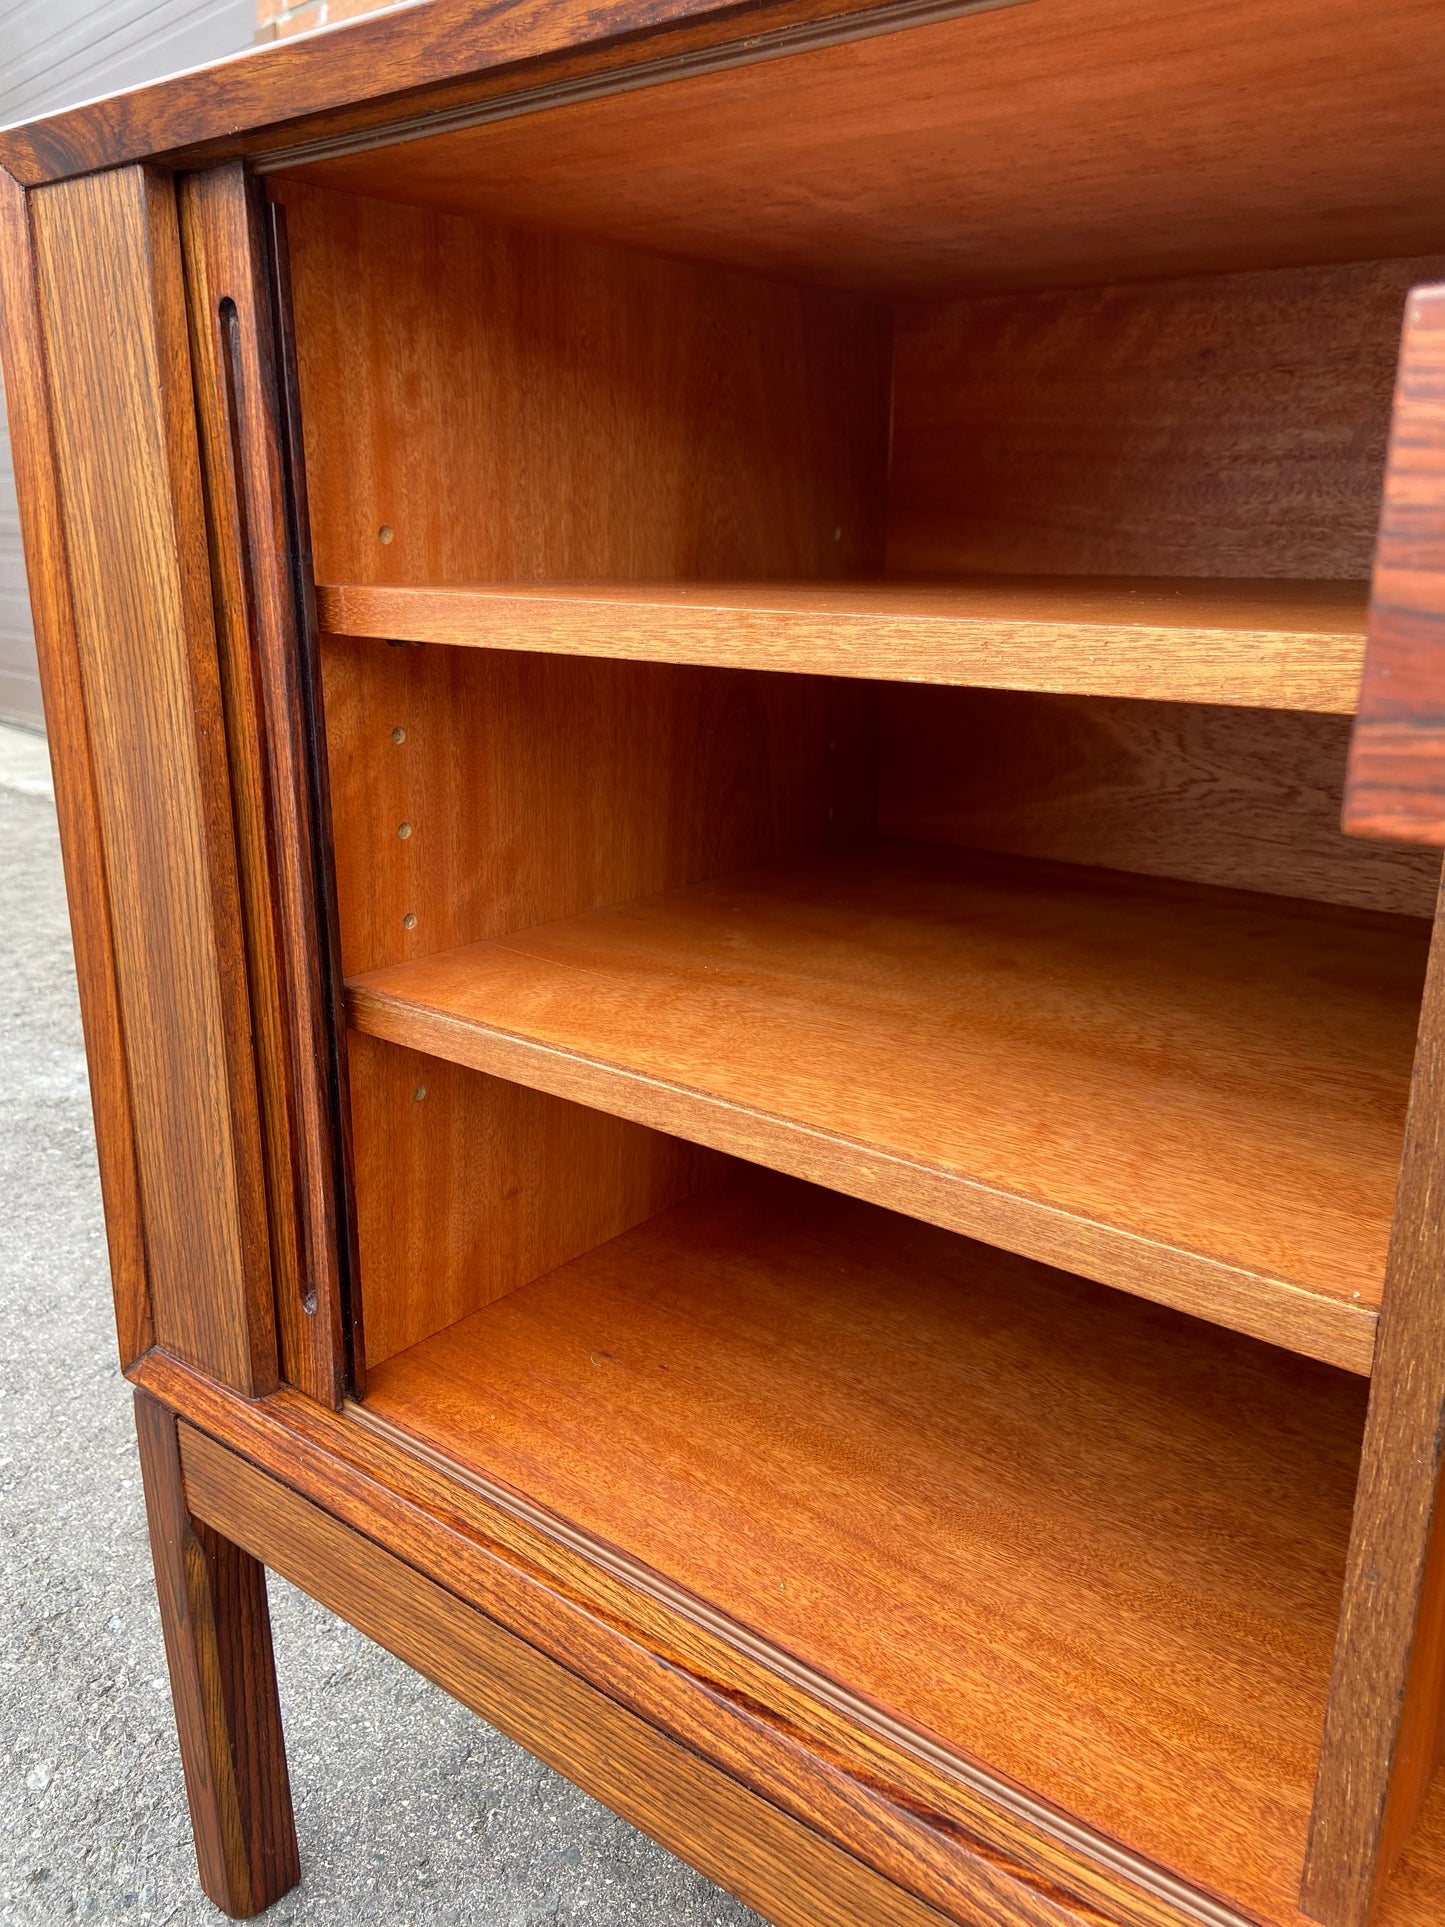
column 877, row 1083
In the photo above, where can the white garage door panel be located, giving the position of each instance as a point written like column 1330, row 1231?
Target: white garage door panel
column 53, row 53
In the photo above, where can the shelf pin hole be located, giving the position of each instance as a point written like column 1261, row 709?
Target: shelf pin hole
column 418, row 1096
column 408, row 922
column 385, row 532
column 403, row 830
column 398, row 735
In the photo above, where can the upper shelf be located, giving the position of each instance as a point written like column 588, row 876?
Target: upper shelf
column 1272, row 645
column 1193, row 1094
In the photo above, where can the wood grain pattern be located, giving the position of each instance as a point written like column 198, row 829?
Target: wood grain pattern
column 27, row 400
column 260, row 655
column 504, row 758
column 971, row 1488
column 358, row 79
column 1274, row 645
column 1228, row 426
column 615, row 415
column 217, row 1630
column 1397, row 762
column 108, row 253
column 1386, row 1718
column 1245, row 798
column 477, row 1186
column 762, row 1855
column 1195, row 1095
column 1037, row 145
column 942, row 1826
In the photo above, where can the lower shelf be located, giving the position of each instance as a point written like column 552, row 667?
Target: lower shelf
column 1080, row 1538
column 1191, row 1093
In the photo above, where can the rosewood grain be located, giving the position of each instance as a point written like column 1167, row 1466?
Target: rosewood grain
column 1397, row 765
column 28, row 408
column 1383, row 1730
column 256, row 603
column 217, row 1630
column 108, row 251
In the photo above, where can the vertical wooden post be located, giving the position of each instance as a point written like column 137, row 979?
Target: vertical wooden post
column 1383, row 1723
column 223, row 1682
column 270, row 682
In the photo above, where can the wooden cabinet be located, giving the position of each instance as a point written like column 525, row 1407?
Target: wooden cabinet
column 702, row 667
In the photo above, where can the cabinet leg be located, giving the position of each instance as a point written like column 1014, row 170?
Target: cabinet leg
column 223, row 1682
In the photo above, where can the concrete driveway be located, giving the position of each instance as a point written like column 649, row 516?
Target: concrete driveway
column 409, row 1809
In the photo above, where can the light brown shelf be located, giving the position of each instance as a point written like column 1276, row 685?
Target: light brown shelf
column 1193, row 1094
column 1275, row 645
column 1077, row 1538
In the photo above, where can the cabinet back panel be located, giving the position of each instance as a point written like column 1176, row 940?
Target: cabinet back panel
column 516, row 406
column 479, row 1186
column 1228, row 426
column 1247, row 798
column 536, row 787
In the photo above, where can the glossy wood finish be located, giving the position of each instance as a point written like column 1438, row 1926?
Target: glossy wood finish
column 1228, row 426
column 1275, row 645
column 358, row 81
column 28, row 404
column 971, row 1488
column 1037, row 146
column 764, row 1856
column 1245, row 798
column 495, row 1183
column 618, row 415
column 1386, row 1718
column 1397, row 765
column 1001, row 1047
column 217, row 1630
column 256, row 599
column 109, row 271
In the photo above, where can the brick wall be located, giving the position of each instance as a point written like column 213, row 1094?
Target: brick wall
column 275, row 19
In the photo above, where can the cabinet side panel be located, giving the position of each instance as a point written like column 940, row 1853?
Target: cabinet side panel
column 1397, row 760
column 1383, row 1725
column 108, row 251
column 28, row 406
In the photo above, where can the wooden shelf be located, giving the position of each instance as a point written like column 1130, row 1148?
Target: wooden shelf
column 1196, row 1095
column 1276, row 645
column 1077, row 1538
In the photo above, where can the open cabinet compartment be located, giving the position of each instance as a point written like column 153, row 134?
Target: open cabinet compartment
column 891, row 735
